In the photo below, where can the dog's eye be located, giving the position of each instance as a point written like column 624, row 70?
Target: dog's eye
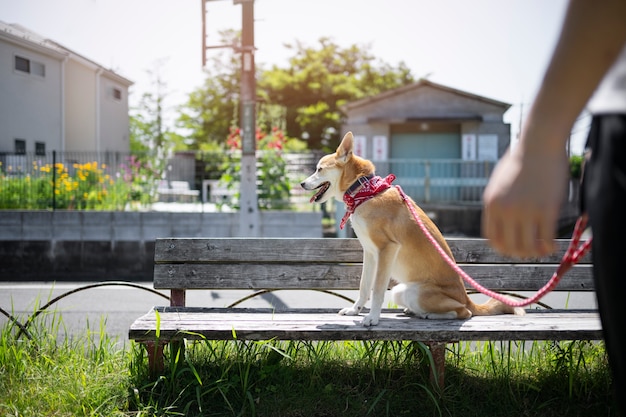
column 319, row 169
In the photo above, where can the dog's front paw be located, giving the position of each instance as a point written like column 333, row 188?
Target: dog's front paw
column 370, row 320
column 349, row 311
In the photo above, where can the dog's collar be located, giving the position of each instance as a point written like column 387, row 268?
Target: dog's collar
column 358, row 183
column 371, row 186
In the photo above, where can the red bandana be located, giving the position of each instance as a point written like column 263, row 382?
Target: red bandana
column 368, row 190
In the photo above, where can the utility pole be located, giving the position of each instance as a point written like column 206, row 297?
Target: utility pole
column 248, row 203
column 248, row 200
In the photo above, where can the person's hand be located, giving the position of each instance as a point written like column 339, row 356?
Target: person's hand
column 522, row 202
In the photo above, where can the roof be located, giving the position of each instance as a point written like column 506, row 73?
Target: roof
column 26, row 37
column 416, row 86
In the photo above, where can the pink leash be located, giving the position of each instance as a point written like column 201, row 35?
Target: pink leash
column 573, row 254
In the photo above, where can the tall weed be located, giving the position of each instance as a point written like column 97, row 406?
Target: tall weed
column 53, row 374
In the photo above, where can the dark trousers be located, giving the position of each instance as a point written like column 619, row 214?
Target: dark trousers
column 604, row 191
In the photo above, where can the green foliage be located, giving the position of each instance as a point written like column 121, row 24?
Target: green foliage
column 379, row 378
column 272, row 180
column 319, row 80
column 576, row 166
column 88, row 186
column 150, row 138
column 304, row 97
column 57, row 375
column 212, row 109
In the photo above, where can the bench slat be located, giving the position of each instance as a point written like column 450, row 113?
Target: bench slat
column 324, row 324
column 193, row 250
column 346, row 276
column 268, row 250
column 466, row 250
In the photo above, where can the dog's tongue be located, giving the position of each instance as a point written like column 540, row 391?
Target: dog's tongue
column 320, row 191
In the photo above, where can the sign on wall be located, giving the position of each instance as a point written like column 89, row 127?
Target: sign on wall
column 360, row 143
column 488, row 147
column 381, row 148
column 469, row 147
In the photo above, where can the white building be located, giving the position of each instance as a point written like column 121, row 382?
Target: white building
column 52, row 98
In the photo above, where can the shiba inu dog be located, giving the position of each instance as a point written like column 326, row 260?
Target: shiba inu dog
column 394, row 246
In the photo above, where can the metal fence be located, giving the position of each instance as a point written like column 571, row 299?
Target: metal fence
column 75, row 180
column 123, row 181
column 440, row 180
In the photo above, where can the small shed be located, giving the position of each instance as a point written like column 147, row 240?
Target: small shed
column 440, row 142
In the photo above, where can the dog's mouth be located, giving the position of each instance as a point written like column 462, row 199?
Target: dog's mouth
column 322, row 189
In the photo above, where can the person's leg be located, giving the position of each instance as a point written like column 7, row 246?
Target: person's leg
column 604, row 186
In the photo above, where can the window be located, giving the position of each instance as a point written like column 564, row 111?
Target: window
column 40, row 149
column 22, row 64
column 29, row 67
column 117, row 94
column 20, row 146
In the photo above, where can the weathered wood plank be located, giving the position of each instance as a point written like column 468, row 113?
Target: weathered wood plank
column 322, row 324
column 193, row 250
column 250, row 249
column 346, row 276
column 471, row 250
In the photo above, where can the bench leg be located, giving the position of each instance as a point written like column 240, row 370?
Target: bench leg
column 155, row 357
column 438, row 352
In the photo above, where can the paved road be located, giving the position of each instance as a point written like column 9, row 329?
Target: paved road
column 120, row 306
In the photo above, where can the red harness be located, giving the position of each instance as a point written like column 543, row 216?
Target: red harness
column 369, row 188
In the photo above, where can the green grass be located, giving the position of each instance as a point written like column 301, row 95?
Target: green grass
column 55, row 375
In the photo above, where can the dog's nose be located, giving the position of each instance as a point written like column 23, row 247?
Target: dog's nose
column 302, row 184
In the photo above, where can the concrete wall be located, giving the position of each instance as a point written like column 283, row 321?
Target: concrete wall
column 99, row 246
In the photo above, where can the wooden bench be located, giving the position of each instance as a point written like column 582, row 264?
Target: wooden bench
column 335, row 264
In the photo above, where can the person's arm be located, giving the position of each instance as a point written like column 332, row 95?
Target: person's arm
column 523, row 197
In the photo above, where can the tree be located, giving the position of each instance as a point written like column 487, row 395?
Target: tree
column 213, row 108
column 151, row 140
column 303, row 99
column 318, row 81
column 148, row 131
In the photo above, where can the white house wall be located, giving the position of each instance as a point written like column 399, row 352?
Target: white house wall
column 80, row 101
column 30, row 105
column 71, row 107
column 114, row 122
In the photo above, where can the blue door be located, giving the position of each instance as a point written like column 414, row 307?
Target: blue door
column 423, row 164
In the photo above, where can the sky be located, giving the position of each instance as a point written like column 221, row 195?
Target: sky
column 493, row 48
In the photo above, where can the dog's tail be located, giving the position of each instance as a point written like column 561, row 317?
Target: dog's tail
column 493, row 307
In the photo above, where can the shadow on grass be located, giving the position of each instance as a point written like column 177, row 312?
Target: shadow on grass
column 290, row 379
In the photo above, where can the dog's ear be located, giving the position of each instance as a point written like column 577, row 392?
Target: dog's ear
column 344, row 151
